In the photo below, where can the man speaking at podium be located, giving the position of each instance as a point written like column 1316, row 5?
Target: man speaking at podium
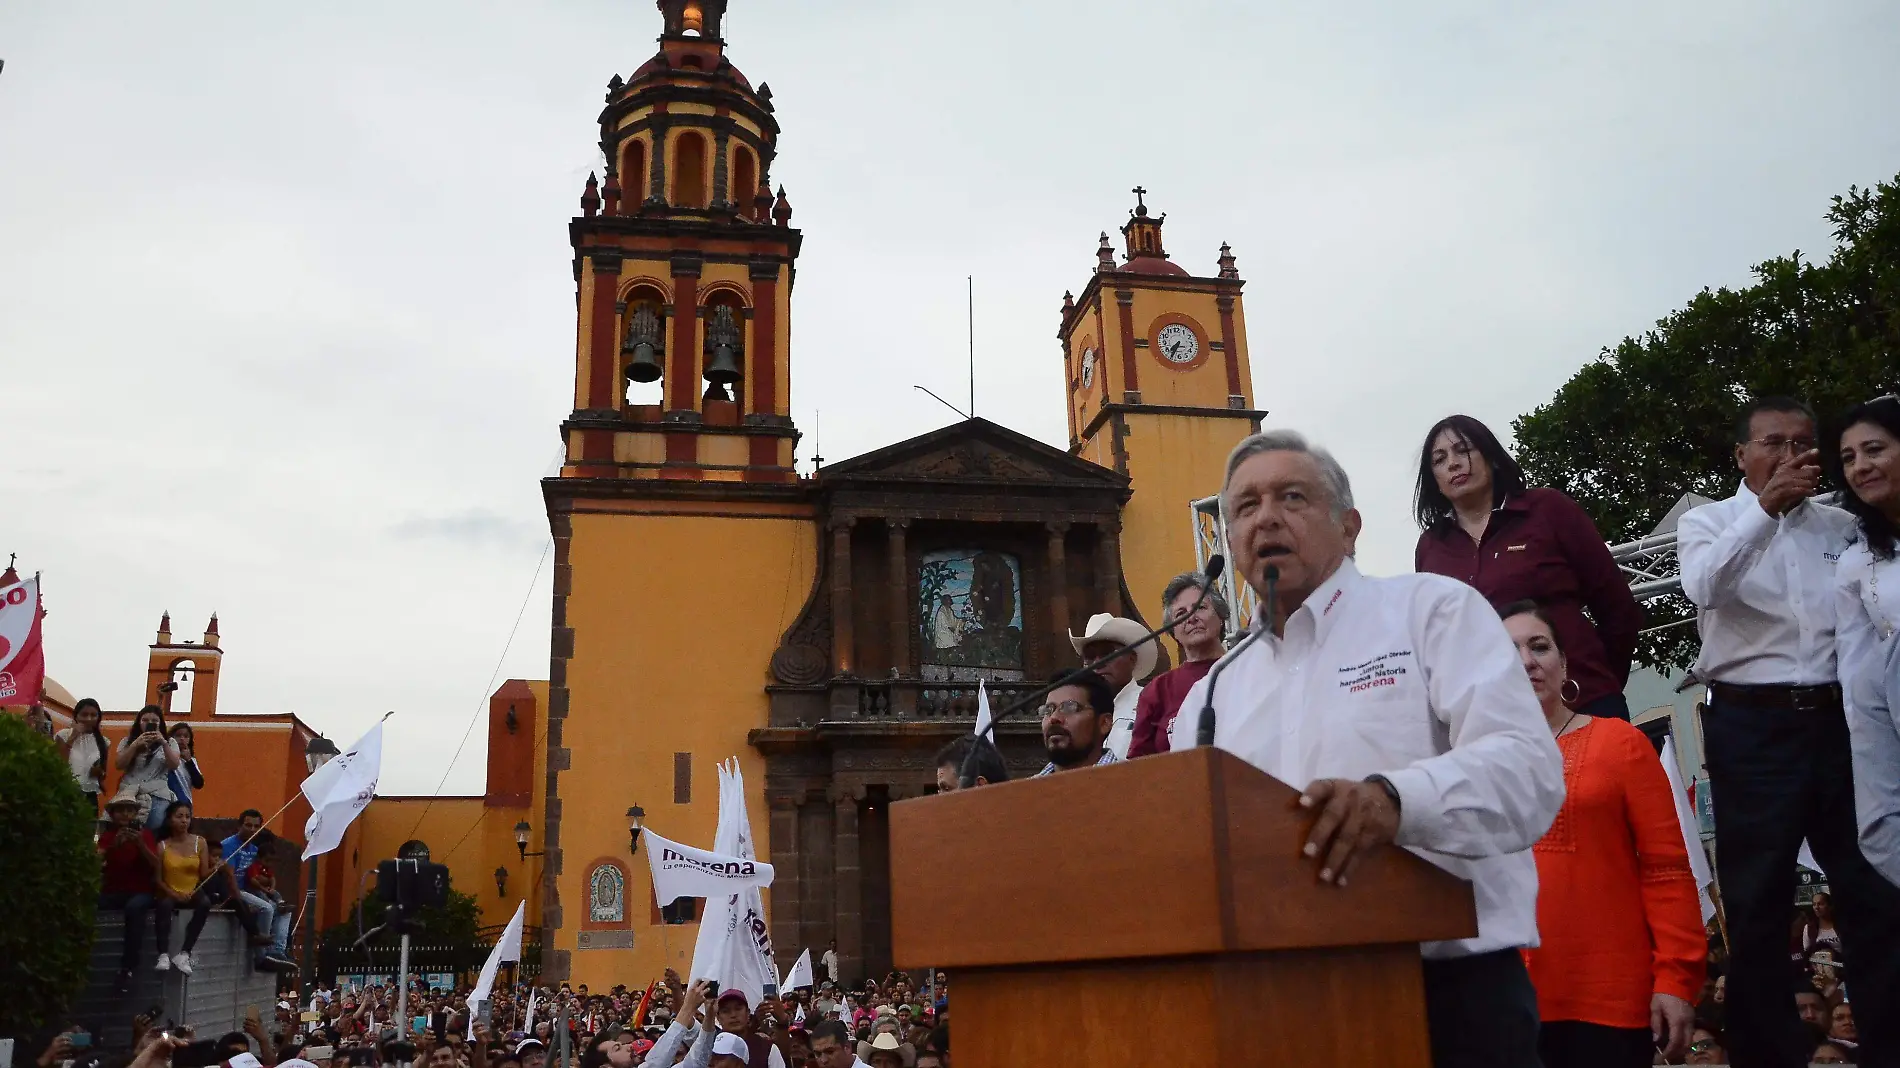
column 1399, row 707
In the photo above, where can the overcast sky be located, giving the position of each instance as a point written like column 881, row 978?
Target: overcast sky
column 286, row 312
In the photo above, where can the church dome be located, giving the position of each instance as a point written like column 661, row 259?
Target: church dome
column 1153, row 265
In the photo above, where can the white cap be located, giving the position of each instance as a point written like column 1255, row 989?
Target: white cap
column 730, row 1045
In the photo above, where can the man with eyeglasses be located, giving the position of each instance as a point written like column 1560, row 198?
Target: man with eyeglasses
column 1076, row 721
column 1759, row 567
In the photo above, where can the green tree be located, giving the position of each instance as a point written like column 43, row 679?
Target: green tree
column 454, row 924
column 1652, row 418
column 51, row 887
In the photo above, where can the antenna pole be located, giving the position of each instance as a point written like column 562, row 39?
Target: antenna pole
column 970, row 281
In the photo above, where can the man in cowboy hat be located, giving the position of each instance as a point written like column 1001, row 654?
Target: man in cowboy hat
column 129, row 855
column 1103, row 635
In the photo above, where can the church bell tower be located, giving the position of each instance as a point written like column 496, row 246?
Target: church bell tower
column 1158, row 388
column 683, row 262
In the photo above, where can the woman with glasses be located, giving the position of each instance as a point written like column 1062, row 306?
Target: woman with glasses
column 1484, row 527
column 1865, row 457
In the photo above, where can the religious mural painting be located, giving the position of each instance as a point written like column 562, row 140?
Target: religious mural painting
column 607, row 895
column 971, row 607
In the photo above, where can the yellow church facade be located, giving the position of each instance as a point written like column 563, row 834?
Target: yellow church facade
column 828, row 630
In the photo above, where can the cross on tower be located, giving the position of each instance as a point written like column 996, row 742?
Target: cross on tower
column 1139, row 193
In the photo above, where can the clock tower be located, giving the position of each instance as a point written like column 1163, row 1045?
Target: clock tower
column 1159, row 388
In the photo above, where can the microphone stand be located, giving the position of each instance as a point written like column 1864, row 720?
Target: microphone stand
column 966, row 776
column 1204, row 730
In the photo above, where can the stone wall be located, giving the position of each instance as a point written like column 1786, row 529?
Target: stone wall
column 213, row 999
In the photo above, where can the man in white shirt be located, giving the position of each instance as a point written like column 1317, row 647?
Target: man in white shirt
column 1399, row 706
column 830, row 961
column 1103, row 635
column 1760, row 569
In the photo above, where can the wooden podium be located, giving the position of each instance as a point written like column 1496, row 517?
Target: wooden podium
column 1158, row 912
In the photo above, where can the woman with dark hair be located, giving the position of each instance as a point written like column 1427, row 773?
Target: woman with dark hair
column 186, row 777
column 84, row 747
column 1483, row 526
column 1623, row 948
column 148, row 758
column 184, row 863
column 1865, row 458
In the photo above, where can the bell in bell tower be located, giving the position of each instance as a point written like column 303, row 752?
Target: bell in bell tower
column 684, row 260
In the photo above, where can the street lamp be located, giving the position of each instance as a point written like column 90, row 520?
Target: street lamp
column 522, row 831
column 634, row 817
column 318, row 752
column 501, row 882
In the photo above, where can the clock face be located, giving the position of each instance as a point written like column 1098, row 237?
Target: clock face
column 1088, row 367
column 1178, row 343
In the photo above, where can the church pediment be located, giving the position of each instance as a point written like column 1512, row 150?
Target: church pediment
column 975, row 451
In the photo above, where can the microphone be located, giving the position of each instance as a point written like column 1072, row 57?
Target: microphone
column 966, row 776
column 1204, row 730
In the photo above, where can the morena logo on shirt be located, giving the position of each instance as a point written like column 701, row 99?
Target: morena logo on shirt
column 1375, row 674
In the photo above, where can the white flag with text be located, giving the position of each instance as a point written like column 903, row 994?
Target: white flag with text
column 341, row 789
column 680, row 870
column 800, row 975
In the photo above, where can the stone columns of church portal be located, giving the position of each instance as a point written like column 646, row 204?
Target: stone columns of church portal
column 841, row 604
column 849, row 886
column 900, row 594
column 1059, row 588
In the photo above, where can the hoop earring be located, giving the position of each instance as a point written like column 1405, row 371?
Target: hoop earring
column 1570, row 691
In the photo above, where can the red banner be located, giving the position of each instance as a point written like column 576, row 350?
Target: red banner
column 22, row 661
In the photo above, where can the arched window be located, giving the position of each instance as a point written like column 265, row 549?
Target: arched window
column 643, row 346
column 413, row 849
column 633, row 172
column 745, row 180
column 724, row 366
column 607, row 895
column 689, row 170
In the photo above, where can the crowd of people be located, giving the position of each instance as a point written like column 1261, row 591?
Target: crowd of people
column 1416, row 728
column 153, row 865
column 896, row 1023
column 1471, row 712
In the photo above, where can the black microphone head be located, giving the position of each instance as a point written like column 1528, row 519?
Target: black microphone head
column 1273, row 574
column 1215, row 565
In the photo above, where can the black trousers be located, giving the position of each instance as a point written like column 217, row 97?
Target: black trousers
column 1481, row 1011
column 1779, row 775
column 200, row 907
column 1575, row 1044
column 136, row 908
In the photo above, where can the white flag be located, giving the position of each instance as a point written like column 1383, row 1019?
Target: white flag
column 507, row 948
column 682, row 871
column 339, row 790
column 735, row 946
column 1805, row 858
column 799, row 976
column 1691, row 838
column 985, row 725
column 533, row 996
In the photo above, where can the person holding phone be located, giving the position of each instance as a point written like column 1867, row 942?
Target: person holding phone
column 84, row 747
column 148, row 758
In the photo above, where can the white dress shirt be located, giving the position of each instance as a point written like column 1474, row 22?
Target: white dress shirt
column 1123, row 731
column 1867, row 611
column 1764, row 587
column 1413, row 678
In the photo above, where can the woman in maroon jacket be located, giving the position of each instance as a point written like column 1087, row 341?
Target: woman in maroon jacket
column 1482, row 526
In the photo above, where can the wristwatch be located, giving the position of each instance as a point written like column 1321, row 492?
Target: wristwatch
column 1391, row 791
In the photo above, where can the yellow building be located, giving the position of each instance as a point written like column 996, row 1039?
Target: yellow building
column 872, row 596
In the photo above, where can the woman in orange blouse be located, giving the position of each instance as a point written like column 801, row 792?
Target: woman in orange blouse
column 1623, row 950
